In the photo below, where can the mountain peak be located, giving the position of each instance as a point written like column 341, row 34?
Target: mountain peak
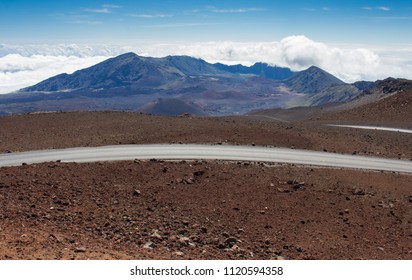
column 313, row 80
column 128, row 54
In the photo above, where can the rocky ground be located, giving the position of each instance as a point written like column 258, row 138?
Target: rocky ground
column 200, row 209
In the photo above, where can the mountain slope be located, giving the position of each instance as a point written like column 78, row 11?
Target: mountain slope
column 127, row 70
column 312, row 80
column 320, row 87
column 129, row 81
column 389, row 100
column 258, row 69
column 132, row 82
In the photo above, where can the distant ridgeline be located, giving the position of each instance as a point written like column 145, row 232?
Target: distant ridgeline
column 176, row 85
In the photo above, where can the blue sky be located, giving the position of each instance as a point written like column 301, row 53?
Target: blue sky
column 131, row 21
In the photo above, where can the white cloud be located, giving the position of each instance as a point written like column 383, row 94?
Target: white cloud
column 111, row 6
column 380, row 8
column 151, row 15
column 98, row 11
column 104, row 9
column 21, row 66
column 350, row 63
column 17, row 71
column 91, row 22
column 235, row 10
column 384, row 8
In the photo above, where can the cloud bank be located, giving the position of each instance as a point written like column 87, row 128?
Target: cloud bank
column 21, row 66
column 299, row 52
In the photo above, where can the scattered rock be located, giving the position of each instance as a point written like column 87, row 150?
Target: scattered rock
column 156, row 235
column 296, row 187
column 296, row 184
column 198, row 173
column 235, row 248
column 179, row 254
column 136, row 193
column 184, row 240
column 358, row 192
column 148, row 245
column 189, row 181
column 410, row 198
column 230, row 242
column 55, row 238
column 80, row 249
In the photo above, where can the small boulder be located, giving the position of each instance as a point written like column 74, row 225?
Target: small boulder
column 80, row 249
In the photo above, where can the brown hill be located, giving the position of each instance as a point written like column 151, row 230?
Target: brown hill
column 170, row 107
column 395, row 107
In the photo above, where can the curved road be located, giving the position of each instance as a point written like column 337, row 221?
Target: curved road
column 402, row 130
column 225, row 152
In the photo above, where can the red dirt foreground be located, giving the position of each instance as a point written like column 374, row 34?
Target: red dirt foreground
column 202, row 210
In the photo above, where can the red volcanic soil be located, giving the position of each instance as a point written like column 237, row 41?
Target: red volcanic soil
column 396, row 108
column 75, row 129
column 200, row 209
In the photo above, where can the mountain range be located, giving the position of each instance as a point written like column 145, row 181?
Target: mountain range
column 189, row 85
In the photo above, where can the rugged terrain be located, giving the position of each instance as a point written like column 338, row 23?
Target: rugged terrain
column 387, row 102
column 133, row 83
column 201, row 209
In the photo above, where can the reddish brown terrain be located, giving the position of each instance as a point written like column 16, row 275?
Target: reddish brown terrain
column 391, row 109
column 201, row 209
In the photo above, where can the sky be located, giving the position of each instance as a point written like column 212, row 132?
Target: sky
column 354, row 40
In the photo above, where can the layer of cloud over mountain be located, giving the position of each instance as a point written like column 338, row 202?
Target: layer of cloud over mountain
column 24, row 65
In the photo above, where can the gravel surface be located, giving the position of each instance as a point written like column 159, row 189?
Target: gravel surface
column 202, row 210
